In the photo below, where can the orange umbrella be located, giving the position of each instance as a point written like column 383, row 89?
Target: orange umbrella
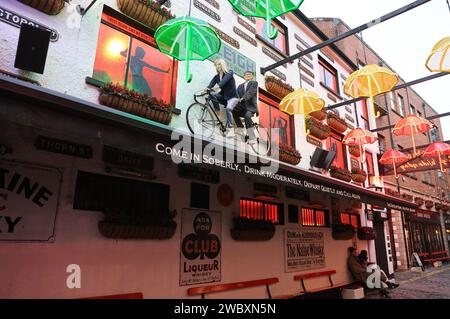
column 359, row 137
column 438, row 149
column 393, row 157
column 412, row 125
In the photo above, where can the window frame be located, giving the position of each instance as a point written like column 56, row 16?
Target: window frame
column 325, row 65
column 401, row 105
column 280, row 209
column 281, row 29
column 326, row 217
column 339, row 138
column 349, row 214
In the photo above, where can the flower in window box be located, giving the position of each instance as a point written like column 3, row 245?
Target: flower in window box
column 288, row 154
column 245, row 229
column 336, row 122
column 419, row 201
column 277, row 87
column 317, row 128
column 319, row 115
column 343, row 231
column 126, row 100
column 52, row 7
column 366, row 233
column 148, row 12
column 358, row 175
column 438, row 206
column 340, row 173
column 429, row 204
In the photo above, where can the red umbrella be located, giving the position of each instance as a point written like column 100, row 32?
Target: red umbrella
column 438, row 149
column 412, row 125
column 359, row 137
column 393, row 157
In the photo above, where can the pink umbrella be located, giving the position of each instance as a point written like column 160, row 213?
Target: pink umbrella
column 412, row 125
column 438, row 149
column 359, row 137
column 393, row 157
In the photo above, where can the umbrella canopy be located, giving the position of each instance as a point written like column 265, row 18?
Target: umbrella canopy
column 393, row 157
column 359, row 137
column 370, row 81
column 266, row 9
column 187, row 39
column 302, row 101
column 412, row 125
column 439, row 58
column 438, row 149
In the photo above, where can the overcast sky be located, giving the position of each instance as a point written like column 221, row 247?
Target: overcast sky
column 404, row 42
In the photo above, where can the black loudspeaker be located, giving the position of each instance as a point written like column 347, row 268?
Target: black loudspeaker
column 32, row 49
column 322, row 158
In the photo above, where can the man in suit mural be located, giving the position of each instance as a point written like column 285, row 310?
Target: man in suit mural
column 247, row 106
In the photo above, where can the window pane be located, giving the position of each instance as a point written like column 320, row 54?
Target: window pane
column 345, row 218
column 150, row 71
column 336, row 145
column 279, row 42
column 354, row 220
column 111, row 56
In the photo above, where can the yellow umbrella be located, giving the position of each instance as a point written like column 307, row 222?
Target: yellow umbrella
column 370, row 81
column 439, row 58
column 302, row 101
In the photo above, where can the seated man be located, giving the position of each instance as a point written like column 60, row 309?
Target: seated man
column 247, row 107
column 385, row 281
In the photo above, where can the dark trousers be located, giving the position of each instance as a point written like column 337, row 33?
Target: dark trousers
column 241, row 111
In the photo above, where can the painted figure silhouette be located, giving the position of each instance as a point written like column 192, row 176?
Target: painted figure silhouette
column 139, row 83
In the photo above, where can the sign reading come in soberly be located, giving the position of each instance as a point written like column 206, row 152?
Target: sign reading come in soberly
column 28, row 201
column 200, row 247
column 303, row 249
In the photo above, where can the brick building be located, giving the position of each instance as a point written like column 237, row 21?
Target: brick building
column 420, row 235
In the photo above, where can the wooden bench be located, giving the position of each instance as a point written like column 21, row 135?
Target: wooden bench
column 437, row 256
column 304, row 291
column 233, row 286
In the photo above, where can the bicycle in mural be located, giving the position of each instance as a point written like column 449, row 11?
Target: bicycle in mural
column 203, row 119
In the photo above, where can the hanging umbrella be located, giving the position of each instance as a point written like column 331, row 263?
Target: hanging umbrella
column 302, row 101
column 266, row 9
column 359, row 137
column 412, row 125
column 439, row 58
column 187, row 39
column 370, row 81
column 438, row 149
column 393, row 157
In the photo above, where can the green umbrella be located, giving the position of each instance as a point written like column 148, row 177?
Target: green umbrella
column 187, row 39
column 266, row 9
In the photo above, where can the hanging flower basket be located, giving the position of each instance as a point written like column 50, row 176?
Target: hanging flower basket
column 445, row 208
column 340, row 173
column 245, row 229
column 354, row 150
column 319, row 115
column 343, row 231
column 52, row 7
column 407, row 197
column 358, row 175
column 317, row 129
column 277, row 87
column 130, row 231
column 288, row 154
column 336, row 123
column 438, row 206
column 419, row 201
column 429, row 204
column 366, row 233
column 129, row 101
column 148, row 12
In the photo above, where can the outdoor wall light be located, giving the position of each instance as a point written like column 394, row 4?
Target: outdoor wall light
column 85, row 6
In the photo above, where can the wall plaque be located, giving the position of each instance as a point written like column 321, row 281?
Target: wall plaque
column 272, row 55
column 127, row 159
column 331, row 97
column 279, row 74
column 214, row 3
column 306, row 70
column 225, row 37
column 348, row 109
column 309, row 56
column 349, row 118
column 246, row 25
column 302, row 59
column 54, row 145
column 314, row 141
column 265, row 188
column 207, row 10
column 244, row 36
column 199, row 173
column 307, row 80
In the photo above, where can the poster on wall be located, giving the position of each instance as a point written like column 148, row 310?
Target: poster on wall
column 303, row 249
column 200, row 255
column 28, row 201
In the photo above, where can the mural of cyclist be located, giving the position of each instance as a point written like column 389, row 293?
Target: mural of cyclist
column 139, row 83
